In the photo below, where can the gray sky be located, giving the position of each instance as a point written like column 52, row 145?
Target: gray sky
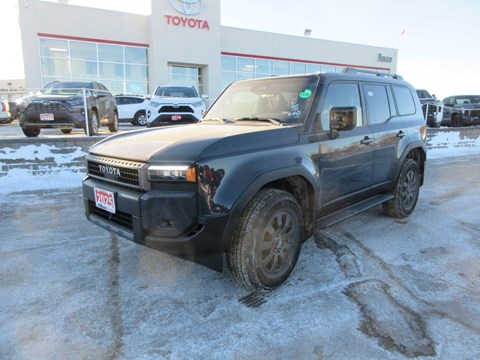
column 438, row 49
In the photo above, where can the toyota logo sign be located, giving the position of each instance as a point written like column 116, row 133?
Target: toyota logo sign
column 188, row 7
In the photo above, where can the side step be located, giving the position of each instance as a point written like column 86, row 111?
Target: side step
column 351, row 210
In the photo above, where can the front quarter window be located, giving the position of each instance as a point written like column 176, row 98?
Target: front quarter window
column 286, row 100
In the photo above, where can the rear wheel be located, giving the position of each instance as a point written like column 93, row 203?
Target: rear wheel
column 31, row 132
column 140, row 119
column 267, row 240
column 113, row 127
column 66, row 131
column 405, row 192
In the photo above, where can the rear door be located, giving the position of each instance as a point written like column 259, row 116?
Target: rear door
column 389, row 131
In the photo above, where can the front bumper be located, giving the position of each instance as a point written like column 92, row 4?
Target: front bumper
column 162, row 220
column 63, row 119
column 172, row 119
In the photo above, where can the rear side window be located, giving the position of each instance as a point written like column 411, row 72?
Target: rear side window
column 378, row 107
column 404, row 99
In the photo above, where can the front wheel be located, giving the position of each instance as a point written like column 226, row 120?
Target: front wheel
column 405, row 191
column 66, row 131
column 93, row 123
column 31, row 132
column 267, row 240
column 456, row 121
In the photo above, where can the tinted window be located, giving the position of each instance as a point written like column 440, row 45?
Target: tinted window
column 376, row 99
column 341, row 95
column 404, row 98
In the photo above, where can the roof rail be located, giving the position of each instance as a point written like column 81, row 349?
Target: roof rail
column 351, row 70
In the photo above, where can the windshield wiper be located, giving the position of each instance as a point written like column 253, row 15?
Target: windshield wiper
column 272, row 120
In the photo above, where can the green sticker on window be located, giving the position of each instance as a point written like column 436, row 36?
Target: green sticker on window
column 305, row 94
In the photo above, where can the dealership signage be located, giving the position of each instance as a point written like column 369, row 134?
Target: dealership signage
column 385, row 59
column 187, row 8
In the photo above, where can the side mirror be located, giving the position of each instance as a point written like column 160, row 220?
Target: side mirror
column 204, row 96
column 343, row 118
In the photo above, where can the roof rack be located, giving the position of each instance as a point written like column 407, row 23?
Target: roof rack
column 351, row 70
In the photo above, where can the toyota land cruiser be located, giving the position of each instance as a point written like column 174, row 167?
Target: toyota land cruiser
column 271, row 159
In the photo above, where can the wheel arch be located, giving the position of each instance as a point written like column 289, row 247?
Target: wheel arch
column 418, row 153
column 295, row 180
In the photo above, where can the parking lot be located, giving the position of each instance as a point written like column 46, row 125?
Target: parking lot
column 369, row 288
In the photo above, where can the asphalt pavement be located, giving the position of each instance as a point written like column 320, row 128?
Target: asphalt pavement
column 371, row 287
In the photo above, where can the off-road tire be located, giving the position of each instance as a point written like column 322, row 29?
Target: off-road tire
column 405, row 191
column 456, row 121
column 267, row 240
column 113, row 127
column 31, row 132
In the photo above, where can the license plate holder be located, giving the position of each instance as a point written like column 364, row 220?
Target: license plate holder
column 176, row 117
column 47, row 117
column 105, row 200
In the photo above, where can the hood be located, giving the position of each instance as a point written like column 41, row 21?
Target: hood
column 54, row 97
column 190, row 143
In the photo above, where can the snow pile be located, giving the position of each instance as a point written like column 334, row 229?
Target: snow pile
column 452, row 143
column 42, row 152
column 36, row 167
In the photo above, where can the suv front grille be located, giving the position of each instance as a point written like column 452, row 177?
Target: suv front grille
column 120, row 218
column 432, row 109
column 116, row 171
column 180, row 109
column 48, row 106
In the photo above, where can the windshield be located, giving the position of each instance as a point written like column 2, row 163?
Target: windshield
column 286, row 100
column 468, row 99
column 423, row 94
column 65, row 88
column 176, row 91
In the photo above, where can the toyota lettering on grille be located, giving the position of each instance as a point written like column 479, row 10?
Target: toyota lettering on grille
column 109, row 170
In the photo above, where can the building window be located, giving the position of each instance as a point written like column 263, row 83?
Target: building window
column 186, row 75
column 122, row 69
column 241, row 67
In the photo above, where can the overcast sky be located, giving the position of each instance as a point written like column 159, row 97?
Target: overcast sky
column 438, row 50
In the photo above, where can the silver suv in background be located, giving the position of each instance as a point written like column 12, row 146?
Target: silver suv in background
column 432, row 108
column 175, row 105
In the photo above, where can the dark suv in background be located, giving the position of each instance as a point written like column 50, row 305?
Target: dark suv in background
column 271, row 160
column 461, row 110
column 62, row 105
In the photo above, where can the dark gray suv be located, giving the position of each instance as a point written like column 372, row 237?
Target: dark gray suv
column 62, row 105
column 271, row 160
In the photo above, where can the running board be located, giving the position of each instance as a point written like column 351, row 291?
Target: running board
column 351, row 210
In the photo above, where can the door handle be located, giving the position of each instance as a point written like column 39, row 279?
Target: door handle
column 366, row 140
column 401, row 134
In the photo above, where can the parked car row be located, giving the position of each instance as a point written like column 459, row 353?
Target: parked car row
column 454, row 111
column 62, row 105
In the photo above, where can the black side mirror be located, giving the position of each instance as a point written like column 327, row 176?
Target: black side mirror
column 343, row 118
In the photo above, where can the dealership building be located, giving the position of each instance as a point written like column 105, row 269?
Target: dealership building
column 180, row 42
